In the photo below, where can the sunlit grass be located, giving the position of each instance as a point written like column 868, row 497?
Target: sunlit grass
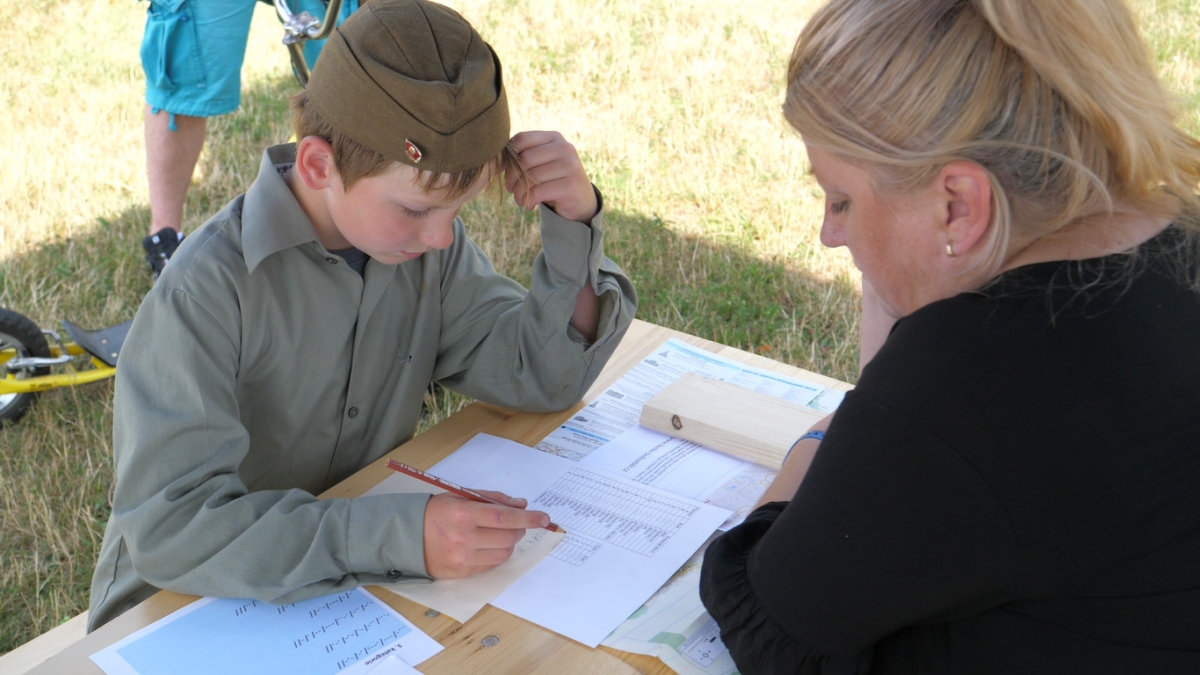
column 673, row 105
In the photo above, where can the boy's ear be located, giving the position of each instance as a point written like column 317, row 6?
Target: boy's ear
column 968, row 192
column 314, row 163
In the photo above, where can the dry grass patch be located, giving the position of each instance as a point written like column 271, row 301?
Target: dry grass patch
column 673, row 105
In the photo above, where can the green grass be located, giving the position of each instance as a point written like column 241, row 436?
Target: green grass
column 674, row 107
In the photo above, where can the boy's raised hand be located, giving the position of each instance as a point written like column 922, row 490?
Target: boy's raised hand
column 464, row 537
column 557, row 178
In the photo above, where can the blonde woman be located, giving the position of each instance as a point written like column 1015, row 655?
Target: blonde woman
column 1014, row 485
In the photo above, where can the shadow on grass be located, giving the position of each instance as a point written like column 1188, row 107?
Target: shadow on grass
column 724, row 293
column 56, row 464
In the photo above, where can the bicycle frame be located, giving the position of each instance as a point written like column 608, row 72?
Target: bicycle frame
column 301, row 27
column 60, row 353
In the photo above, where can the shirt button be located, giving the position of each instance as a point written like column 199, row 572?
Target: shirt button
column 394, row 574
column 331, row 260
column 352, row 412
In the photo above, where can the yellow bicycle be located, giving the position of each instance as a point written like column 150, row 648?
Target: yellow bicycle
column 36, row 360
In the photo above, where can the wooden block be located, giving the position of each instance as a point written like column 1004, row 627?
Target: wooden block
column 729, row 418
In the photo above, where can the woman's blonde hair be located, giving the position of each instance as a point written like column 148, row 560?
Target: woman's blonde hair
column 1057, row 99
column 355, row 161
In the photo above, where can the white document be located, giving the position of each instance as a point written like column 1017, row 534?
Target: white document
column 389, row 665
column 618, row 408
column 673, row 626
column 623, row 539
column 322, row 636
column 461, row 599
column 685, row 468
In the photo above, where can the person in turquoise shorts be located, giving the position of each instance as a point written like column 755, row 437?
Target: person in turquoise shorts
column 192, row 53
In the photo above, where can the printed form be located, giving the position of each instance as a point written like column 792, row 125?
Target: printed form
column 685, row 468
column 672, row 623
column 351, row 633
column 623, row 539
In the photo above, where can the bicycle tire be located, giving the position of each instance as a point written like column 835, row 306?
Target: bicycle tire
column 16, row 331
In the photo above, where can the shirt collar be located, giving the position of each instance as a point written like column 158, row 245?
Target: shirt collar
column 272, row 219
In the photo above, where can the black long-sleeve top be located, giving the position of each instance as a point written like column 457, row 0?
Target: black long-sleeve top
column 1013, row 487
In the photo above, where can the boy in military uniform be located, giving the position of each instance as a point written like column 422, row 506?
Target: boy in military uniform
column 291, row 339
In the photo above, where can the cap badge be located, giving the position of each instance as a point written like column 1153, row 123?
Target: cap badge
column 414, row 153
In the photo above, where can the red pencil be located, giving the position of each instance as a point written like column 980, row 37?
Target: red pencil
column 446, row 485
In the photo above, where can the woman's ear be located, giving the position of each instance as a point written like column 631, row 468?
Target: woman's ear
column 968, row 193
column 314, row 163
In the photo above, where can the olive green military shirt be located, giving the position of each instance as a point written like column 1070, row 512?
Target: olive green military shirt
column 261, row 370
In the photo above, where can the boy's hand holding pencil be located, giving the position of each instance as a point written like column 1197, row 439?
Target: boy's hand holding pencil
column 471, row 531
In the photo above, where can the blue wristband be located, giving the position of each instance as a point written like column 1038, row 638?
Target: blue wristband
column 818, row 435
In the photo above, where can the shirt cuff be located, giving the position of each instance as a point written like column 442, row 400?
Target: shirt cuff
column 386, row 535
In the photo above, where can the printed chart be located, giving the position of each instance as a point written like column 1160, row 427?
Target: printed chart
column 615, row 513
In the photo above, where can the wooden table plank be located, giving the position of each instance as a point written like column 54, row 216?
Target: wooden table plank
column 522, row 647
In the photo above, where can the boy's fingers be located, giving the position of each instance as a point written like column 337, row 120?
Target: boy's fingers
column 555, row 191
column 529, row 139
column 506, row 518
column 520, row 187
column 515, row 502
column 554, row 175
column 521, row 197
column 536, row 156
column 555, row 159
column 511, row 179
column 554, row 171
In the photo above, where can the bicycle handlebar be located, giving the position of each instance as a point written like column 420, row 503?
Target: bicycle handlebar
column 298, row 28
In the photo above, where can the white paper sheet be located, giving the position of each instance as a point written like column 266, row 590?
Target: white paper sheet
column 672, row 624
column 389, row 665
column 321, row 636
column 623, row 539
column 687, row 469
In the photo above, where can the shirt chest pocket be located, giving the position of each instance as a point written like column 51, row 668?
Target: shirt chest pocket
column 170, row 53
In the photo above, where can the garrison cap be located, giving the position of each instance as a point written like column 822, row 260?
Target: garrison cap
column 413, row 81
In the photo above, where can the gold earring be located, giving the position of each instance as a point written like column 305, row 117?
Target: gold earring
column 950, row 250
